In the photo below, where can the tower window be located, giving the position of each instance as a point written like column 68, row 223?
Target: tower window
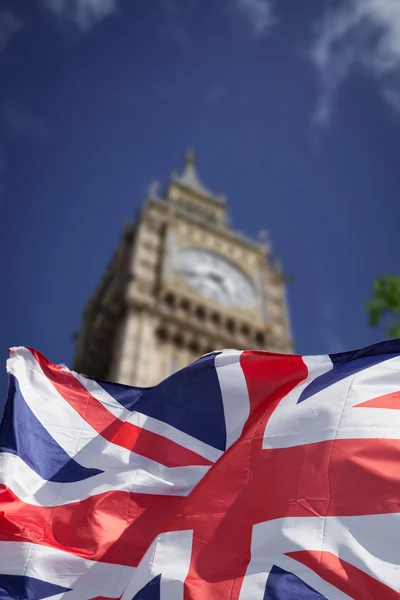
column 169, row 300
column 194, row 348
column 162, row 334
column 178, row 340
column 216, row 318
column 245, row 330
column 260, row 338
column 230, row 326
column 185, row 305
column 200, row 313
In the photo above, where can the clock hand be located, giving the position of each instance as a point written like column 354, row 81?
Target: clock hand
column 215, row 277
column 223, row 283
column 220, row 283
column 197, row 270
column 207, row 276
column 190, row 272
column 226, row 285
column 185, row 271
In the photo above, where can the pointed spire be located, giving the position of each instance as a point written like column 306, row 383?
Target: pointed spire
column 264, row 240
column 190, row 158
column 189, row 172
column 154, row 188
column 190, row 178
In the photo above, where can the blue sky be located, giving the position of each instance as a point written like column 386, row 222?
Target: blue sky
column 293, row 108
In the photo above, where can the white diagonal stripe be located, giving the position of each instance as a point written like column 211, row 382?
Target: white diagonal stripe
column 31, row 488
column 87, row 578
column 169, row 555
column 332, row 413
column 235, row 396
column 146, row 422
column 370, row 543
column 83, row 443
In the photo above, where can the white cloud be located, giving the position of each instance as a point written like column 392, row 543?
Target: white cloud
column 258, row 14
column 83, row 13
column 9, row 26
column 358, row 34
column 392, row 97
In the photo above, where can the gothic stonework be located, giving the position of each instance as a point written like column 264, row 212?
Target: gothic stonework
column 181, row 283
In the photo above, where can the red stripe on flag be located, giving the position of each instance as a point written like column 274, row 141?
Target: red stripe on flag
column 269, row 377
column 226, row 503
column 107, row 598
column 115, row 527
column 330, row 478
column 387, row 401
column 346, row 577
column 126, row 435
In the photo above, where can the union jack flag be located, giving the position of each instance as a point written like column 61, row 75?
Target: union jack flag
column 245, row 476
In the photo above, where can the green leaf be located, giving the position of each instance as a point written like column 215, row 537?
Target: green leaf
column 394, row 330
column 385, row 302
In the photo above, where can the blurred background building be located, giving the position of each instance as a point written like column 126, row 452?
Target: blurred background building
column 181, row 283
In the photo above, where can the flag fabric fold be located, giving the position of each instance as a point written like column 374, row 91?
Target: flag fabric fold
column 244, row 476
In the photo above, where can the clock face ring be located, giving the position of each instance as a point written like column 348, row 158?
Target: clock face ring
column 215, row 277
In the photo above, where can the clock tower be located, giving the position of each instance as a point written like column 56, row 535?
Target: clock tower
column 181, row 283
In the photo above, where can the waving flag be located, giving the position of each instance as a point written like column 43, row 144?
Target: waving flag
column 245, row 476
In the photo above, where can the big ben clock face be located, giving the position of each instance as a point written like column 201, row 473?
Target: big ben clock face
column 215, row 278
